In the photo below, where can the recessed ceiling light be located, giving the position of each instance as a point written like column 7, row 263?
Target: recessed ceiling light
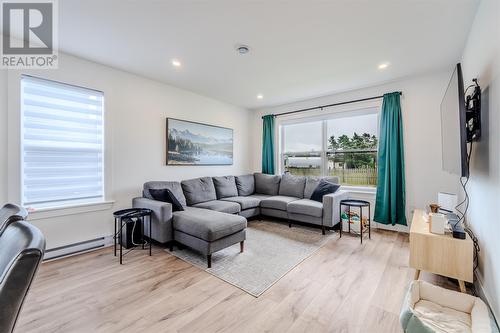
column 242, row 49
column 383, row 65
column 176, row 63
column 260, row 96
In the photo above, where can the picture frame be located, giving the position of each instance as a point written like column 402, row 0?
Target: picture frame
column 195, row 143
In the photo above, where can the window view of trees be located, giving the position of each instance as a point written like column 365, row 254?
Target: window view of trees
column 348, row 154
column 353, row 159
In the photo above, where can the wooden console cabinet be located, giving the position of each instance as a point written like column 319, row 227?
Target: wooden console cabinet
column 440, row 254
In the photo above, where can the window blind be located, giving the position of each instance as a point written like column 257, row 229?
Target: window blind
column 62, row 143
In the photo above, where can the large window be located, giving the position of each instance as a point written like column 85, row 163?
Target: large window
column 343, row 145
column 62, row 144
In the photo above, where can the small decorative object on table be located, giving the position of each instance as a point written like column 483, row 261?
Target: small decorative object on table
column 353, row 218
column 131, row 215
column 434, row 208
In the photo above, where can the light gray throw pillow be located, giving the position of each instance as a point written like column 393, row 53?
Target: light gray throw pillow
column 245, row 185
column 198, row 190
column 225, row 187
column 267, row 184
column 312, row 182
column 292, row 186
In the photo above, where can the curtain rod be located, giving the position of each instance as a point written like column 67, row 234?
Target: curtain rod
column 329, row 105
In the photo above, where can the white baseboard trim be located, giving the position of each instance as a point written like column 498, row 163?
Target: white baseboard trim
column 397, row 227
column 77, row 248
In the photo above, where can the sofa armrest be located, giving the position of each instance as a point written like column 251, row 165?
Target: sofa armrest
column 331, row 204
column 161, row 219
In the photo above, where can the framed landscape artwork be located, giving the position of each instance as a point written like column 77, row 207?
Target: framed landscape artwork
column 191, row 143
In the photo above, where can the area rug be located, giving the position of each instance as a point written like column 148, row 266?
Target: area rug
column 272, row 249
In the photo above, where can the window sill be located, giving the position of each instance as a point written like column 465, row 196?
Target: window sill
column 44, row 213
column 359, row 189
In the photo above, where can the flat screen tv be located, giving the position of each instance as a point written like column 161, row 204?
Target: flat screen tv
column 454, row 126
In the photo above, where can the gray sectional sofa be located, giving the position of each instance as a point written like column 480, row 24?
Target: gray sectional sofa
column 216, row 208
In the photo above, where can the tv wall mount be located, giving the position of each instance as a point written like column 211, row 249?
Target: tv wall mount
column 473, row 112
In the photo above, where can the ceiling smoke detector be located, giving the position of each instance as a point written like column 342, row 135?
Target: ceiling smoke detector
column 242, row 49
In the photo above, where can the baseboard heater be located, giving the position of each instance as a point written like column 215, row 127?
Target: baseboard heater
column 77, row 248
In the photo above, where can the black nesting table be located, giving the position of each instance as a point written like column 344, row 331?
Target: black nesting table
column 131, row 215
column 358, row 204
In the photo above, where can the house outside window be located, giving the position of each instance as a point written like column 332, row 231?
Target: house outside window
column 343, row 144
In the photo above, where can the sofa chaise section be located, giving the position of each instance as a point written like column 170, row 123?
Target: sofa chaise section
column 208, row 231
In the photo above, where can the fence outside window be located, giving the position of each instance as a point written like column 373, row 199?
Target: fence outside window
column 356, row 167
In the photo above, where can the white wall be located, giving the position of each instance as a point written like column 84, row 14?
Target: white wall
column 420, row 104
column 135, row 112
column 3, row 136
column 481, row 60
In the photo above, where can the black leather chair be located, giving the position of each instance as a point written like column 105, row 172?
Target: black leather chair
column 10, row 213
column 22, row 246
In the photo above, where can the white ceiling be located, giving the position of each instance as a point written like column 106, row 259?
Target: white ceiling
column 299, row 49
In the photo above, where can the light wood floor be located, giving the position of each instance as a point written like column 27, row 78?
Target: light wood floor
column 344, row 287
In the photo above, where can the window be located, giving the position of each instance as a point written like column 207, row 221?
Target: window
column 302, row 148
column 62, row 144
column 343, row 145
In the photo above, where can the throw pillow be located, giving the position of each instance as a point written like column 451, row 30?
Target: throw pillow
column 166, row 195
column 324, row 187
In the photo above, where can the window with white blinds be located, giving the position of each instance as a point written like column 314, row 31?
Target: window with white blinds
column 62, row 144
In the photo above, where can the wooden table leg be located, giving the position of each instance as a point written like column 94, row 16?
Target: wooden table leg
column 462, row 286
column 417, row 274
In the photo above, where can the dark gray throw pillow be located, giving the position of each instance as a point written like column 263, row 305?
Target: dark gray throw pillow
column 324, row 187
column 166, row 195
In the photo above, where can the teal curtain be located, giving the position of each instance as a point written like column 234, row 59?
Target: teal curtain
column 390, row 204
column 268, row 144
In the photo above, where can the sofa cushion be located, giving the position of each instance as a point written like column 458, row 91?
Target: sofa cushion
column 277, row 202
column 198, row 190
column 245, row 184
column 225, row 187
column 267, row 184
column 166, row 195
column 207, row 224
column 220, row 206
column 312, row 182
column 245, row 202
column 306, row 207
column 174, row 187
column 292, row 186
column 324, row 187
column 260, row 196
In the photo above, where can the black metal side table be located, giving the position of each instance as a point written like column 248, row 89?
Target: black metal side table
column 359, row 204
column 124, row 216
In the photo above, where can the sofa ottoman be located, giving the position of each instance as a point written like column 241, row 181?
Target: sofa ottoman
column 208, row 231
